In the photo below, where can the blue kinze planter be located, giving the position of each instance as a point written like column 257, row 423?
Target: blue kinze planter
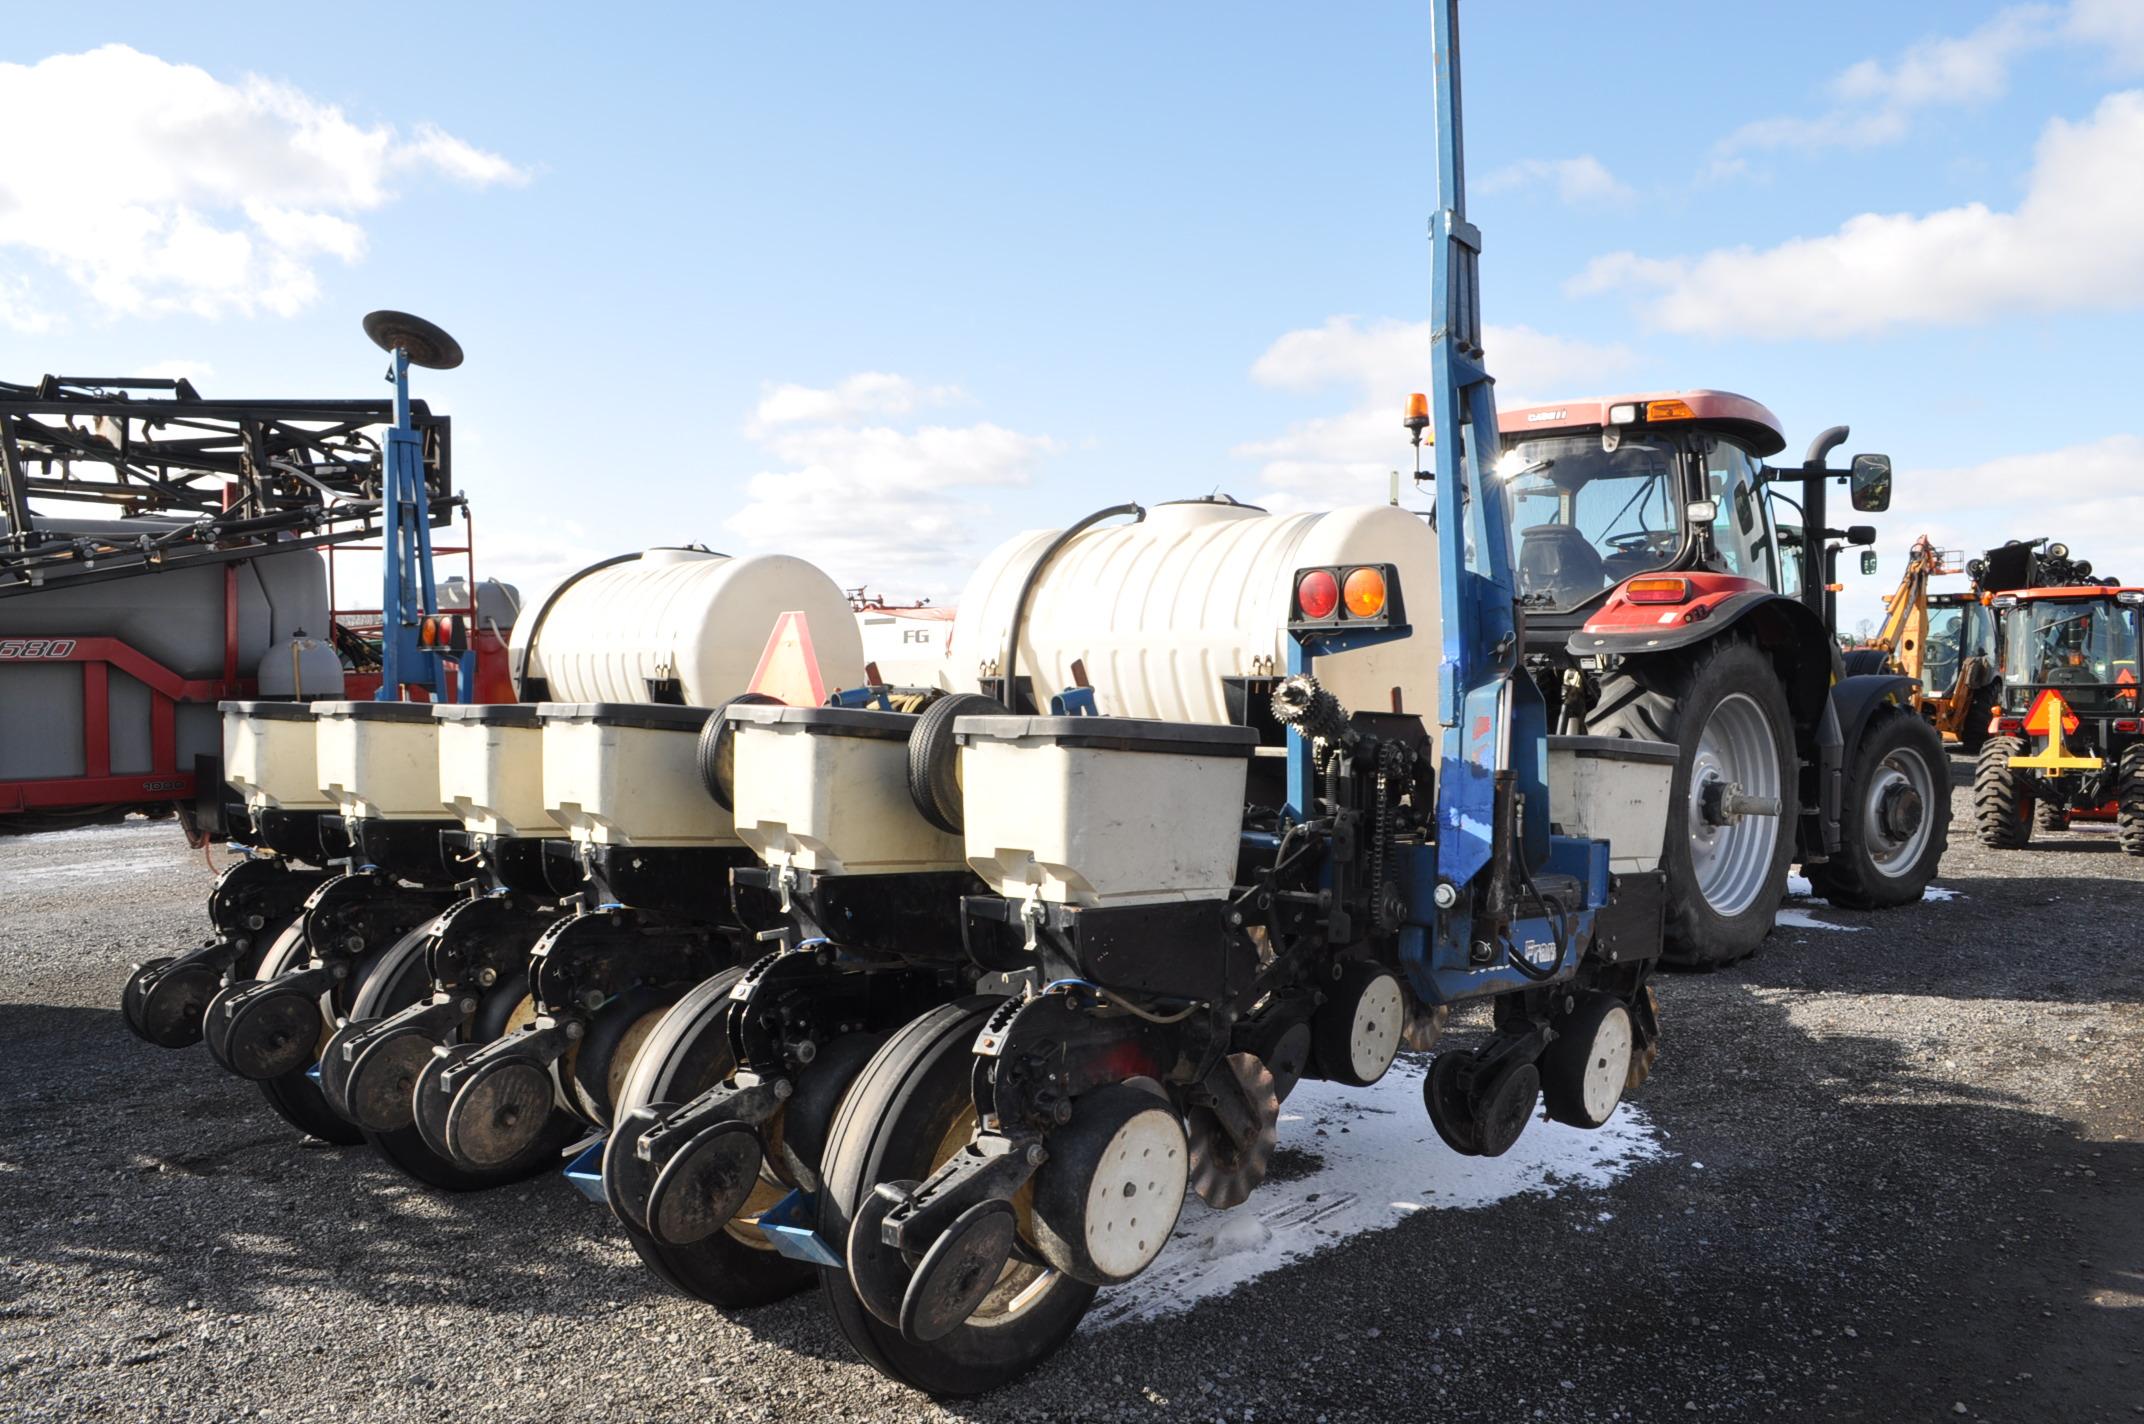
column 967, row 1093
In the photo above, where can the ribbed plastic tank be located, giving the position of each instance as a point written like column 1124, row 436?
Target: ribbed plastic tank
column 1163, row 612
column 678, row 625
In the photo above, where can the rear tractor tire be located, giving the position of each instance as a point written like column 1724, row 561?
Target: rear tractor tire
column 1895, row 824
column 2129, row 802
column 2003, row 799
column 1723, row 707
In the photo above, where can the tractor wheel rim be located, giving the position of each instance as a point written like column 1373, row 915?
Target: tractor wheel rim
column 1732, row 862
column 1892, row 853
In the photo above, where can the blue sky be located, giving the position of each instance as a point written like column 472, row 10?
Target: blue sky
column 904, row 279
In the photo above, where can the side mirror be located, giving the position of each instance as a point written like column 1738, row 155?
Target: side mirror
column 1870, row 481
column 1868, row 561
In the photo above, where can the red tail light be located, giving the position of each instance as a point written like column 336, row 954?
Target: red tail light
column 1317, row 595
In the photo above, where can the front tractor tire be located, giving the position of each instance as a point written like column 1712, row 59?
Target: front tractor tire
column 1724, row 708
column 2129, row 802
column 1895, row 823
column 2002, row 797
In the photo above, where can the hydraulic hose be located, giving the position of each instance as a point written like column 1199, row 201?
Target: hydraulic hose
column 1006, row 666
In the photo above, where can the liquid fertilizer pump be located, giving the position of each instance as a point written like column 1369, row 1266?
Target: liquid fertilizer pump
column 415, row 644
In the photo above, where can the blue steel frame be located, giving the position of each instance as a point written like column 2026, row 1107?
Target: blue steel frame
column 407, row 593
column 1492, row 717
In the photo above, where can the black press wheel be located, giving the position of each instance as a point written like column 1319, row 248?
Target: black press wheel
column 912, row 1107
column 400, row 981
column 686, row 1053
column 1585, row 1071
column 1723, row 707
column 294, row 1095
column 1895, row 822
column 2002, row 797
column 934, row 761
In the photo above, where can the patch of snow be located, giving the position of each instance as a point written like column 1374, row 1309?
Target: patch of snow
column 132, row 827
column 1799, row 888
column 1377, row 1162
column 1937, row 893
column 1803, row 920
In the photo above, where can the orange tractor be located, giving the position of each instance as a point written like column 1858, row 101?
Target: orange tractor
column 2067, row 742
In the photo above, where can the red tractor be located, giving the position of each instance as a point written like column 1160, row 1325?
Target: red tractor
column 2072, row 658
column 1665, row 600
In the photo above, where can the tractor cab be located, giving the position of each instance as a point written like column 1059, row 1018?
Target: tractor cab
column 1960, row 629
column 2084, row 643
column 1674, row 483
column 2068, row 738
column 1604, row 491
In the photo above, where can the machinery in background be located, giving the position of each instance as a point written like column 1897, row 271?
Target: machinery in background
column 1944, row 641
column 906, row 642
column 1949, row 642
column 2068, row 739
column 120, row 634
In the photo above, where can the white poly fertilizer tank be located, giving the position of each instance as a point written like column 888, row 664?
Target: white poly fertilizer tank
column 1163, row 611
column 677, row 625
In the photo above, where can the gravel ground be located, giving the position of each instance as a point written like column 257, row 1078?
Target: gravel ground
column 1902, row 1178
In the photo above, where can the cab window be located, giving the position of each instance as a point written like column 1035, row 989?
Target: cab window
column 1741, row 523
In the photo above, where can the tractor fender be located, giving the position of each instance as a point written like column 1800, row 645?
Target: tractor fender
column 1784, row 627
column 1800, row 647
column 1856, row 699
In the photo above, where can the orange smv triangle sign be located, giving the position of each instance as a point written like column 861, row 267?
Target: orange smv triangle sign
column 2047, row 707
column 789, row 670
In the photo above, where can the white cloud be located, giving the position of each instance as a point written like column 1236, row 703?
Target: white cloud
column 1348, row 456
column 174, row 191
column 182, row 369
column 874, row 503
column 863, row 394
column 2076, row 240
column 2114, row 27
column 1580, row 182
column 19, row 310
column 1874, row 102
